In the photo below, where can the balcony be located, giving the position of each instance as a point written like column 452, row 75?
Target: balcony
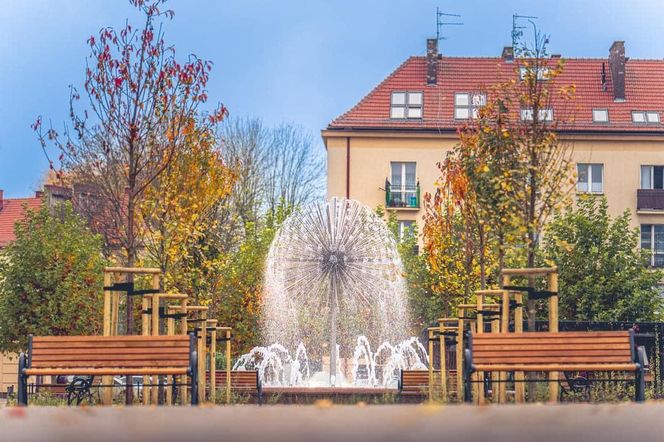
column 650, row 200
column 402, row 197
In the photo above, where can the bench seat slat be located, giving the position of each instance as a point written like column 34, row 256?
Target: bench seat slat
column 105, row 371
column 110, row 357
column 555, row 367
column 110, row 344
column 39, row 339
column 482, row 346
column 566, row 335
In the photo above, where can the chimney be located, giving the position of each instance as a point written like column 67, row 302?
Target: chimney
column 432, row 62
column 1, row 198
column 617, row 68
column 508, row 54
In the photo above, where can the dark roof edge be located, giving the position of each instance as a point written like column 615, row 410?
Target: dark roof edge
column 453, row 130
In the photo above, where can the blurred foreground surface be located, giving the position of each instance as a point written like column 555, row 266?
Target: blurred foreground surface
column 623, row 422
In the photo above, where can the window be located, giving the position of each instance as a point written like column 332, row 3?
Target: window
column 652, row 239
column 652, row 177
column 406, row 105
column 542, row 115
column 645, row 117
column 600, row 115
column 406, row 228
column 542, row 72
column 403, row 186
column 590, row 178
column 467, row 105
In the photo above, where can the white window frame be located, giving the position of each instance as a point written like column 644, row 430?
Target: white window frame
column 402, row 227
column 649, row 117
column 410, row 104
column 545, row 114
column 589, row 182
column 474, row 101
column 651, row 184
column 653, row 251
column 603, row 111
column 403, row 189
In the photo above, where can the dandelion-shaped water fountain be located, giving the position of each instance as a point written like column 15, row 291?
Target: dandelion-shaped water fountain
column 333, row 273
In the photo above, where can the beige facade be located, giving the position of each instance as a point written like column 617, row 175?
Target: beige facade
column 8, row 372
column 359, row 163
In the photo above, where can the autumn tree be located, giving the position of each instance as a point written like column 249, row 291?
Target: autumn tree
column 179, row 207
column 140, row 101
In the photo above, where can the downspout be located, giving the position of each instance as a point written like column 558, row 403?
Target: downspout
column 347, row 167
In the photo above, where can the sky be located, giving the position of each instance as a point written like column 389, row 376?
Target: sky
column 295, row 61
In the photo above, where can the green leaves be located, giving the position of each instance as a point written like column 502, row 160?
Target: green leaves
column 50, row 278
column 603, row 274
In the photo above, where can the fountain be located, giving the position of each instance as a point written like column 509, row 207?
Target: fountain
column 334, row 283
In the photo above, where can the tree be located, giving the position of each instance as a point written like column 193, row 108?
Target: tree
column 50, row 278
column 179, row 207
column 454, row 236
column 143, row 104
column 603, row 274
column 238, row 301
column 274, row 166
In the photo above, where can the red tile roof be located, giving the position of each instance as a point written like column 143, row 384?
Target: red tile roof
column 13, row 210
column 644, row 86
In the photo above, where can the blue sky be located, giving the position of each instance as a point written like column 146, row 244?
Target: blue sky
column 300, row 61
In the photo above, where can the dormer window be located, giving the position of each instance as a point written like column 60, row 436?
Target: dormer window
column 545, row 114
column 406, row 105
column 600, row 115
column 467, row 105
column 645, row 117
column 542, row 72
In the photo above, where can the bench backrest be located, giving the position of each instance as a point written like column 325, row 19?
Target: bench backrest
column 240, row 380
column 602, row 347
column 109, row 351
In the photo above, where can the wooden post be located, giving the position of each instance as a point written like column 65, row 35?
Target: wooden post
column 479, row 376
column 145, row 331
column 504, row 328
column 459, row 355
column 156, row 302
column 443, row 361
column 213, row 363
column 170, row 331
column 184, row 328
column 519, row 387
column 552, row 283
column 431, row 331
column 107, row 392
column 228, row 364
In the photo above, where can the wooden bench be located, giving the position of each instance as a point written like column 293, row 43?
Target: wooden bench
column 242, row 381
column 554, row 352
column 415, row 383
column 108, row 356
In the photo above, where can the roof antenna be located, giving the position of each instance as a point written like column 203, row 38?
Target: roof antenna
column 517, row 29
column 440, row 23
column 604, row 77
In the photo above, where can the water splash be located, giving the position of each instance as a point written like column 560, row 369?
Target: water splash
column 333, row 273
column 369, row 369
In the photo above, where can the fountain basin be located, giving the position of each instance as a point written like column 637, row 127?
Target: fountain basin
column 337, row 395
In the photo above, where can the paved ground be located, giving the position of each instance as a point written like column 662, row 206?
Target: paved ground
column 571, row 423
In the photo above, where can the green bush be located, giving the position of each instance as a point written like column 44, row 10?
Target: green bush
column 50, row 278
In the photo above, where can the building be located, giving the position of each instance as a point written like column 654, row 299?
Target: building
column 384, row 150
column 13, row 210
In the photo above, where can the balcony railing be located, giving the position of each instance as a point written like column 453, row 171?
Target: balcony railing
column 407, row 197
column 650, row 199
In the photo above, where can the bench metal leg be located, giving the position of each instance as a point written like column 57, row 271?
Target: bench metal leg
column 640, row 385
column 467, row 377
column 22, row 394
